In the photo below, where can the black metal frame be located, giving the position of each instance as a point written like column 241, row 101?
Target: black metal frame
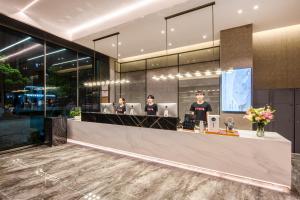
column 106, row 36
column 190, row 10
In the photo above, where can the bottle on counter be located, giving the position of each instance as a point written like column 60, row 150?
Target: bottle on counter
column 201, row 127
column 166, row 112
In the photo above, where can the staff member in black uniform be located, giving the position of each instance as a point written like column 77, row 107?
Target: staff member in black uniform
column 121, row 108
column 151, row 107
column 200, row 108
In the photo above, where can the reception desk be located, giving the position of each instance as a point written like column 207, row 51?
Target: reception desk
column 158, row 122
column 265, row 162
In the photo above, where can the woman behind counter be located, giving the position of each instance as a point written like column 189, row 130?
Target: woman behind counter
column 121, row 108
column 151, row 107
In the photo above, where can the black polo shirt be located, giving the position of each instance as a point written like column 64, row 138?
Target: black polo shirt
column 121, row 109
column 151, row 109
column 200, row 110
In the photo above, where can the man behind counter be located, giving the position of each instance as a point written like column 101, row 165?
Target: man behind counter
column 151, row 107
column 200, row 108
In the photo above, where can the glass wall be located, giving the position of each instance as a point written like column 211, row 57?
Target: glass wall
column 199, row 70
column 21, row 89
column 135, row 91
column 165, row 90
column 39, row 79
column 61, row 80
column 87, row 97
column 173, row 79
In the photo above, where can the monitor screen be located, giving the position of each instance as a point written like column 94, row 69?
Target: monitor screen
column 236, row 95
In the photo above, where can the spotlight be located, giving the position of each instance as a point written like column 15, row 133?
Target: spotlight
column 188, row 75
column 218, row 72
column 208, row 73
column 155, row 78
column 171, row 76
column 179, row 75
column 240, row 11
column 163, row 77
column 197, row 73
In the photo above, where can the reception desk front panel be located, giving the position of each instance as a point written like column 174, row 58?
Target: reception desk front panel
column 157, row 122
column 259, row 161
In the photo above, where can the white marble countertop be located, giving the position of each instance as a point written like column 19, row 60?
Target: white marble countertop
column 270, row 136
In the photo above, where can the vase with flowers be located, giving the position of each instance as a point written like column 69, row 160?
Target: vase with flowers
column 261, row 117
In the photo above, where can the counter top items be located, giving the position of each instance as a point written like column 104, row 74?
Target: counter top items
column 189, row 122
column 260, row 117
column 224, row 132
column 213, row 123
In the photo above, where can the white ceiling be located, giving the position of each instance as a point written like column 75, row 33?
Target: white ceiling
column 141, row 28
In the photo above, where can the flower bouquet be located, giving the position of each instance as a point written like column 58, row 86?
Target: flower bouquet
column 261, row 117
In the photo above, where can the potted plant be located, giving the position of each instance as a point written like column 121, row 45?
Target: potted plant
column 76, row 113
column 261, row 117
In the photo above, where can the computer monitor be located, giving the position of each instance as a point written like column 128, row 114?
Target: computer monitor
column 134, row 109
column 172, row 109
column 107, row 108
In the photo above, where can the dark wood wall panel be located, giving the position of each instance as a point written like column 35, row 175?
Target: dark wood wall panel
column 236, row 51
column 277, row 58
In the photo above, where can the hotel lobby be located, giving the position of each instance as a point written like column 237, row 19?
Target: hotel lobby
column 149, row 99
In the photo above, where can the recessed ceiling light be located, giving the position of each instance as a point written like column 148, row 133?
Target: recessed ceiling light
column 256, row 7
column 113, row 45
column 240, row 11
column 172, row 29
column 204, row 36
column 142, row 50
column 119, row 43
column 170, row 44
column 162, row 31
column 119, row 55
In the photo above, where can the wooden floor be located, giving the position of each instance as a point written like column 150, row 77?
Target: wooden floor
column 76, row 172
